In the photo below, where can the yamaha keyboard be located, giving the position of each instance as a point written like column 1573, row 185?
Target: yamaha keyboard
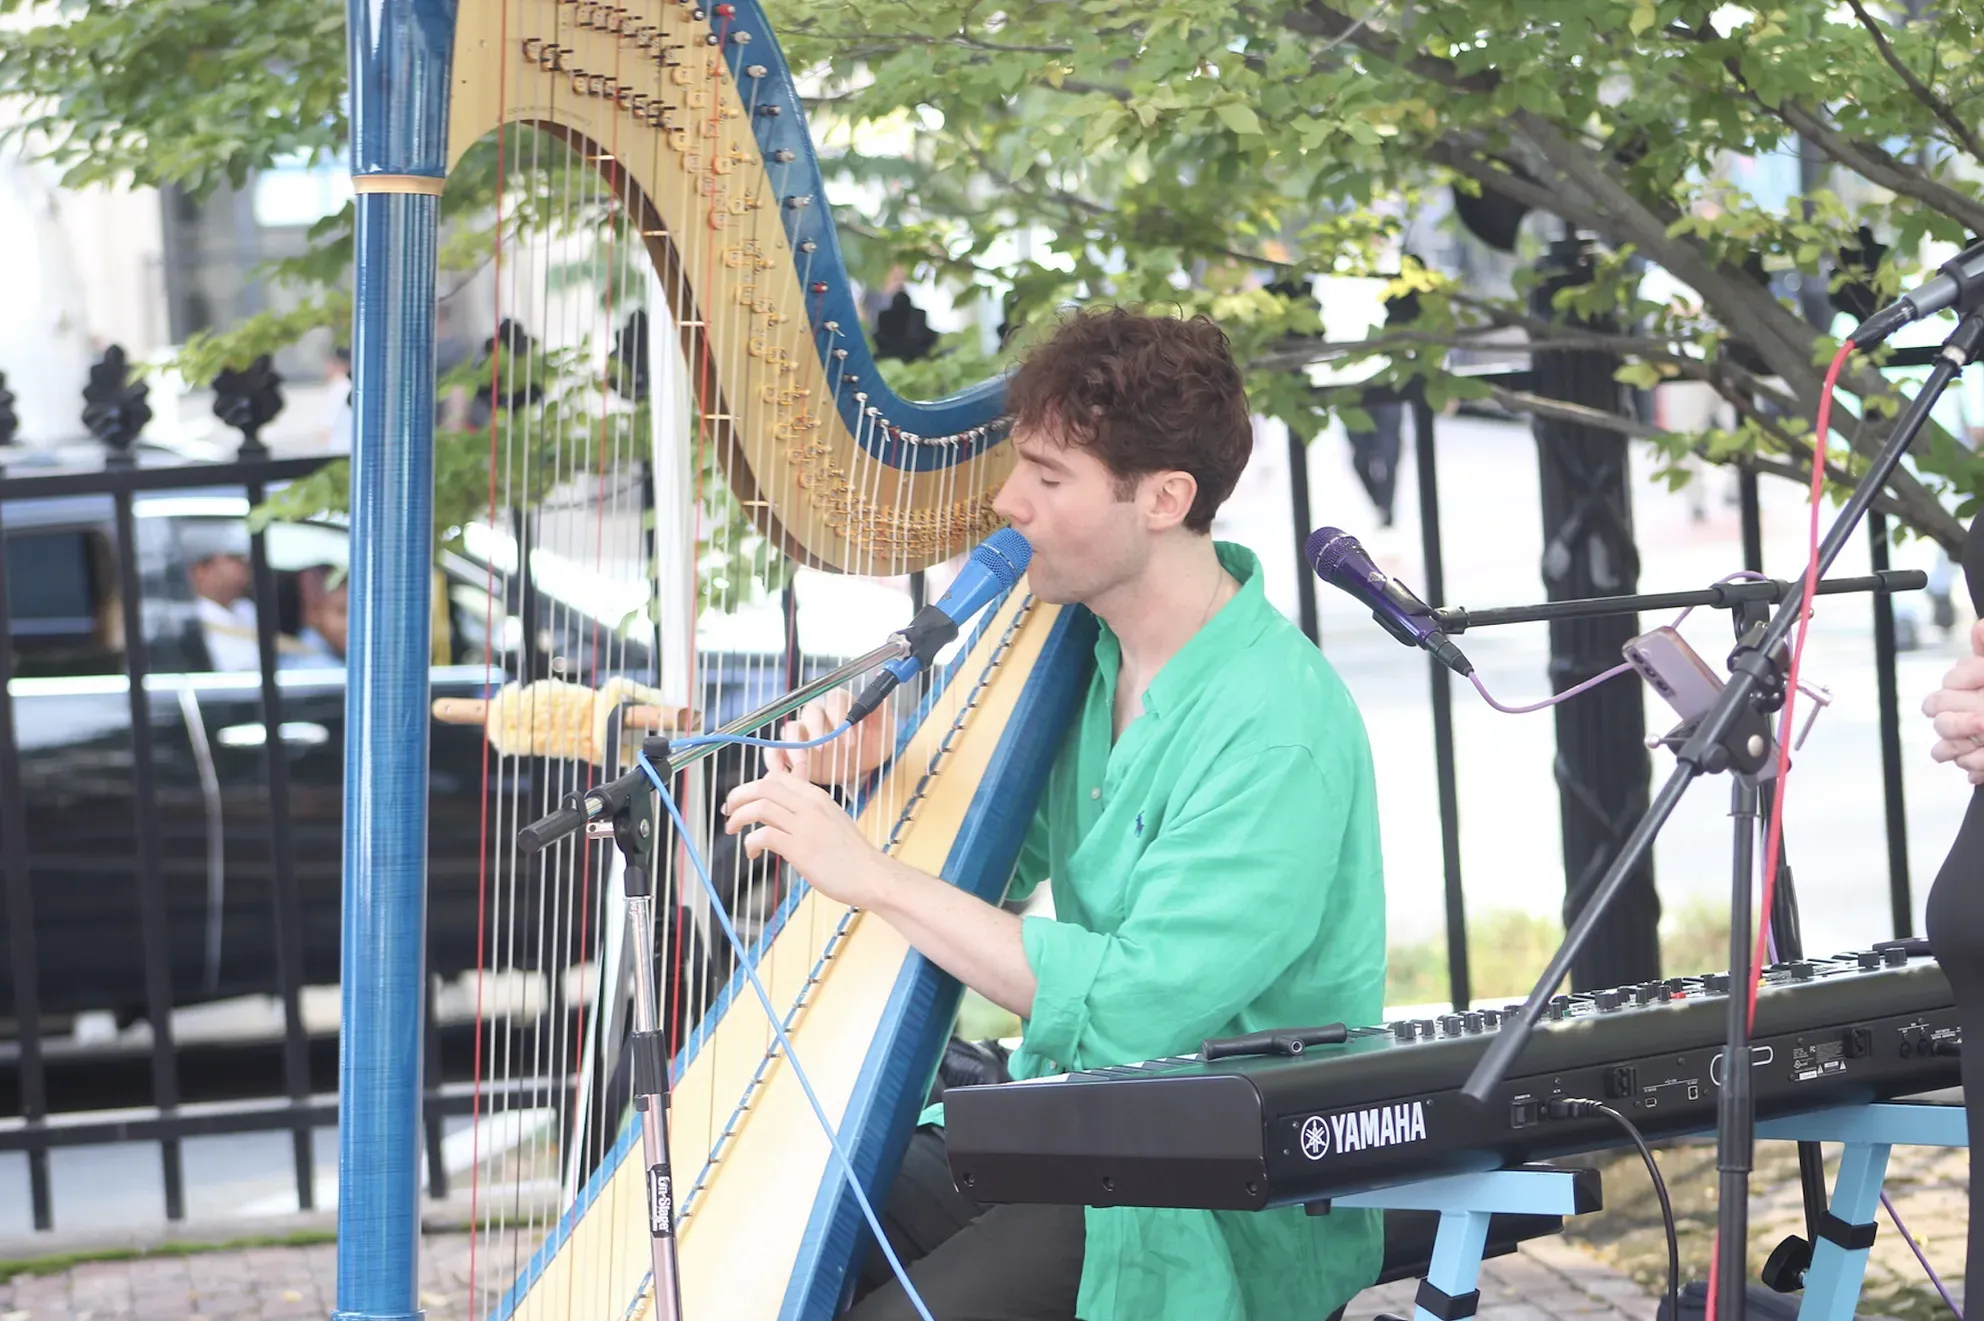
column 1384, row 1106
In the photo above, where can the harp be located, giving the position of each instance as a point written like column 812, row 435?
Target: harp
column 677, row 376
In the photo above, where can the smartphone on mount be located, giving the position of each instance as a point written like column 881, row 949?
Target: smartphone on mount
column 1673, row 669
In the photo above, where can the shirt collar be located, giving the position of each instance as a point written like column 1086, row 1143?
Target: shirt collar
column 1229, row 632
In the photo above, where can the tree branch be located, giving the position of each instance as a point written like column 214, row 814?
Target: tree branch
column 1048, row 195
column 1315, row 19
column 1868, row 160
column 1967, row 139
column 1876, row 166
column 1932, row 518
column 1456, row 154
column 1091, row 89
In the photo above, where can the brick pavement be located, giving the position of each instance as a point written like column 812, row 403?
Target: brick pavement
column 1547, row 1281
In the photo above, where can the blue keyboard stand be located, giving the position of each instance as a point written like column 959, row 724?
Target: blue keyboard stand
column 1839, row 1259
column 1465, row 1202
column 1869, row 1132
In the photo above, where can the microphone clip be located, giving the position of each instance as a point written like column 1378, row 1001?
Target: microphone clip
column 929, row 633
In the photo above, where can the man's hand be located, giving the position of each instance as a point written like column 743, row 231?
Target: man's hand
column 848, row 757
column 800, row 823
column 1958, row 710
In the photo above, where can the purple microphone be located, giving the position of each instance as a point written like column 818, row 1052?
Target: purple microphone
column 1340, row 561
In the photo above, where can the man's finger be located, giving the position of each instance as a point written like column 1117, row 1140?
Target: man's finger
column 759, row 812
column 779, row 759
column 766, row 839
column 748, row 792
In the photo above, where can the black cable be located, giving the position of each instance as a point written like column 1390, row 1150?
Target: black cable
column 1564, row 1108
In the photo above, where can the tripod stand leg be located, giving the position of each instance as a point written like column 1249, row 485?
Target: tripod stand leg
column 630, row 825
column 650, row 1053
column 1839, row 1255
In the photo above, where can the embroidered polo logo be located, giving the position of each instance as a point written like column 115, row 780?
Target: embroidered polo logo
column 1140, row 823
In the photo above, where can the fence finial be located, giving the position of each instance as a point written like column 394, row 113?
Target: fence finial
column 248, row 401
column 114, row 407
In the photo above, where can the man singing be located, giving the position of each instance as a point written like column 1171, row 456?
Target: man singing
column 1209, row 829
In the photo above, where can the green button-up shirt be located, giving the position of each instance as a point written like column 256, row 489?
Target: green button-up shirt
column 1216, row 871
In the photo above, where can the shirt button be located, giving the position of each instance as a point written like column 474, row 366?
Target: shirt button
column 1095, row 792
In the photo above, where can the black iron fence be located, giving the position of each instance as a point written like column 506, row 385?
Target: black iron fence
column 285, row 1086
column 43, row 1073
column 1601, row 848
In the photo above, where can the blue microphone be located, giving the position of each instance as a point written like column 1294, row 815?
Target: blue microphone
column 991, row 572
column 1340, row 561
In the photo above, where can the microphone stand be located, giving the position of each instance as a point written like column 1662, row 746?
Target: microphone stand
column 1721, row 596
column 598, row 804
column 1734, row 735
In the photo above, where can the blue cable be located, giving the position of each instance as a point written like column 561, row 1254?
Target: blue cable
column 743, row 962
column 705, row 740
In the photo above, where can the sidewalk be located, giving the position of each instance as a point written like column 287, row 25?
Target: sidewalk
column 1549, row 1280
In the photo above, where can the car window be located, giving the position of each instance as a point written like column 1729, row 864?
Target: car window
column 61, row 613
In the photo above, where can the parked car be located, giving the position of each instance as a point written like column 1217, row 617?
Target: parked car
column 213, row 808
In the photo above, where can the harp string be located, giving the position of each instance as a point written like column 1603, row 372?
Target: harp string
column 570, row 241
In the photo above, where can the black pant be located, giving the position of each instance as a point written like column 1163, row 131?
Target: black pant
column 1375, row 454
column 969, row 1262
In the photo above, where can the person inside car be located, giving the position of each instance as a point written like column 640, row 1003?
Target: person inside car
column 326, row 612
column 222, row 582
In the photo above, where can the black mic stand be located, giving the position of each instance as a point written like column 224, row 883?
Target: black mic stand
column 1748, row 602
column 1733, row 735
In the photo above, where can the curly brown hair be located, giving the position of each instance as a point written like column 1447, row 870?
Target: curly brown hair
column 1144, row 393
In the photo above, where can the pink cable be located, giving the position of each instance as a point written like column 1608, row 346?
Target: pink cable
column 1595, row 680
column 1566, row 695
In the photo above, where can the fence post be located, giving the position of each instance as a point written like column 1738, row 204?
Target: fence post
column 1602, row 765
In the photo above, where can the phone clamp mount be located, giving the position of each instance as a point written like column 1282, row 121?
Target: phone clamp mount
column 1747, row 748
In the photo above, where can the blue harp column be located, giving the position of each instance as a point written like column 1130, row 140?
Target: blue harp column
column 399, row 65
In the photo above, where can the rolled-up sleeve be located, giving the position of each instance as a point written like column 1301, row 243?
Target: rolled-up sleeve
column 1221, row 902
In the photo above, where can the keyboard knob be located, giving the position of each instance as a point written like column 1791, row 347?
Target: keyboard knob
column 1405, row 1030
column 1560, row 1007
column 1716, row 983
column 1801, row 971
column 1894, row 956
column 1868, row 960
column 1607, row 1001
column 1647, row 994
column 1450, row 1025
column 1471, row 1023
column 1491, row 1019
column 1676, row 986
column 1425, row 1027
